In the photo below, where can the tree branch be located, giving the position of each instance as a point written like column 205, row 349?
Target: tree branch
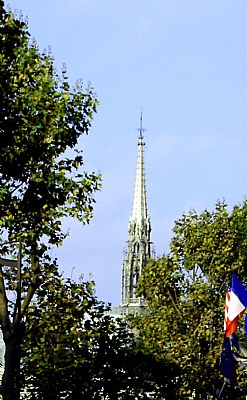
column 33, row 285
column 4, row 314
column 175, row 306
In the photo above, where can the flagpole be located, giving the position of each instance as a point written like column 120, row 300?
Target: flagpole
column 221, row 390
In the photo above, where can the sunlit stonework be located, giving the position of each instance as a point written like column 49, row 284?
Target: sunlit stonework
column 138, row 249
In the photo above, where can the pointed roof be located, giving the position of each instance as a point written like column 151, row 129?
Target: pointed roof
column 140, row 201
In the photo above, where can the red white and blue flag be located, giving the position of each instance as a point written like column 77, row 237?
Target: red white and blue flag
column 236, row 303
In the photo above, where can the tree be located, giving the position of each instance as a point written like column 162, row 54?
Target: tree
column 185, row 291
column 41, row 121
column 62, row 326
column 74, row 350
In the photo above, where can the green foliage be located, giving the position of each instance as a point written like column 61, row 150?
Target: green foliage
column 61, row 328
column 73, row 350
column 41, row 117
column 186, row 295
column 41, row 180
column 215, row 242
column 41, row 121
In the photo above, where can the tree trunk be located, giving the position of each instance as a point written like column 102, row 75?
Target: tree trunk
column 11, row 376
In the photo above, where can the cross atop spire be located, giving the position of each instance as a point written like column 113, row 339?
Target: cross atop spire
column 141, row 129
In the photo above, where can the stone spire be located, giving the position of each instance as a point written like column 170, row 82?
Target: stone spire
column 139, row 244
column 140, row 201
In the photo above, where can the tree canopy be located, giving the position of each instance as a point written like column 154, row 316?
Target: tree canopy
column 41, row 117
column 73, row 349
column 185, row 290
column 41, row 178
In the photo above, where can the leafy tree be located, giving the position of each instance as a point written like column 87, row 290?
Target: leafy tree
column 74, row 350
column 185, row 291
column 61, row 327
column 41, row 121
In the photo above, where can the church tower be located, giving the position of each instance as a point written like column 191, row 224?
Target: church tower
column 139, row 244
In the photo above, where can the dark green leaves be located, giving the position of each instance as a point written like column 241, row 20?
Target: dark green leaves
column 74, row 350
column 41, row 117
column 41, row 178
column 186, row 295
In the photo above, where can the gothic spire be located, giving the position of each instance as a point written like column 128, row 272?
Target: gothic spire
column 140, row 201
column 139, row 244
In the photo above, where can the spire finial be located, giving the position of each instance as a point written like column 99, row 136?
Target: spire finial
column 141, row 129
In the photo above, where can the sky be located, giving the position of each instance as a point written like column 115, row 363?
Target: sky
column 184, row 63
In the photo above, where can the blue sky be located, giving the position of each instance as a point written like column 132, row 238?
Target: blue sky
column 184, row 62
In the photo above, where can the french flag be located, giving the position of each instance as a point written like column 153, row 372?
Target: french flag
column 236, row 303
